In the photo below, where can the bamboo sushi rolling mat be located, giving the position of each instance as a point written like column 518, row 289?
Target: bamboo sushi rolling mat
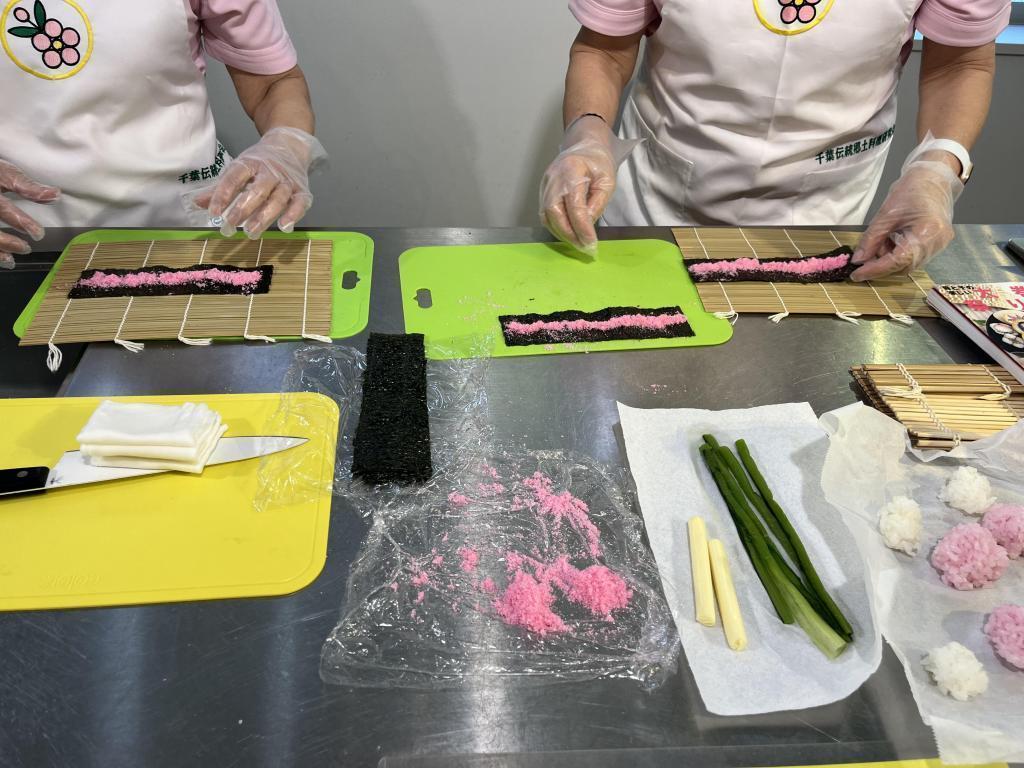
column 900, row 297
column 297, row 304
column 944, row 405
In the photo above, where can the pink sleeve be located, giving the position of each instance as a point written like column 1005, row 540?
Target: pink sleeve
column 962, row 23
column 246, row 34
column 616, row 18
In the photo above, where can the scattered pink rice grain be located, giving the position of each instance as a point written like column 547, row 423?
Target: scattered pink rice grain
column 527, row 603
column 1005, row 630
column 968, row 557
column 469, row 558
column 1006, row 524
column 514, row 561
column 457, row 499
column 564, row 507
column 597, row 588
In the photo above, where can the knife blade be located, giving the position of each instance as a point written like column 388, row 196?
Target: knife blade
column 72, row 469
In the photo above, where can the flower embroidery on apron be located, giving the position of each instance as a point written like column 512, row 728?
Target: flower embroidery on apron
column 51, row 43
column 791, row 17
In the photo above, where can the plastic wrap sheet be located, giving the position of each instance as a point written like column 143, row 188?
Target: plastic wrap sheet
column 456, row 402
column 869, row 462
column 524, row 565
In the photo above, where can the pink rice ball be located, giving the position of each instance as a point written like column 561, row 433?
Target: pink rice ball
column 1006, row 523
column 968, row 557
column 1005, row 630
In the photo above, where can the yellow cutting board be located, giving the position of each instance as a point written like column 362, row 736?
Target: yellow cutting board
column 166, row 538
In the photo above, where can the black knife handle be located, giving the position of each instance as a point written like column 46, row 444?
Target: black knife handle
column 23, row 480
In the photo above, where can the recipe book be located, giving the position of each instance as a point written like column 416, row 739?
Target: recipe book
column 989, row 314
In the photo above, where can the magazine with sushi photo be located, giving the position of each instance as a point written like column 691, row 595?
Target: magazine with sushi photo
column 991, row 314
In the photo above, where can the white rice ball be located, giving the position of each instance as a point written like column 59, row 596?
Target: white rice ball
column 969, row 491
column 956, row 671
column 900, row 525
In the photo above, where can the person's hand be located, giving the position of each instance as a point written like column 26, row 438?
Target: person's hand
column 266, row 183
column 914, row 223
column 579, row 184
column 13, row 181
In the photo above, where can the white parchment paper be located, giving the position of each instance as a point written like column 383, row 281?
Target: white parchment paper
column 869, row 463
column 781, row 669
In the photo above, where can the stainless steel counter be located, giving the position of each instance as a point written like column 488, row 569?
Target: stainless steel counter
column 236, row 682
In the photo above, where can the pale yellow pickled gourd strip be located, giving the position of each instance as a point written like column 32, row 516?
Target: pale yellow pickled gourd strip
column 700, row 564
column 728, row 605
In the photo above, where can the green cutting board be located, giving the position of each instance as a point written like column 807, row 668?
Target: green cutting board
column 353, row 252
column 470, row 286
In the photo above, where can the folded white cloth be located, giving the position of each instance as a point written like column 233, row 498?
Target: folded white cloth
column 140, row 436
column 142, row 424
column 188, row 455
column 135, row 462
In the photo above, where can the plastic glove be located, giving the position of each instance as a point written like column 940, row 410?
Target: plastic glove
column 914, row 223
column 579, row 184
column 266, row 183
column 12, row 180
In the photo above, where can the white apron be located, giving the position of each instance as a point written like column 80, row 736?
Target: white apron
column 751, row 120
column 106, row 102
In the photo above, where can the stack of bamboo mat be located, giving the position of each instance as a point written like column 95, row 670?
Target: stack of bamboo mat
column 943, row 405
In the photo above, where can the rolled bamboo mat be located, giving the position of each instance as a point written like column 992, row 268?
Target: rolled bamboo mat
column 298, row 303
column 943, row 405
column 900, row 297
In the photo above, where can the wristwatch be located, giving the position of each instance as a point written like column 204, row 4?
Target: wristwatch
column 955, row 148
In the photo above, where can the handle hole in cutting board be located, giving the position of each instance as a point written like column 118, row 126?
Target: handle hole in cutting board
column 350, row 280
column 424, row 299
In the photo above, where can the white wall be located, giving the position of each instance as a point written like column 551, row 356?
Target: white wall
column 435, row 112
column 446, row 112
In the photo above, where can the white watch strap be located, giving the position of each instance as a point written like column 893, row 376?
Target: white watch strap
column 955, row 148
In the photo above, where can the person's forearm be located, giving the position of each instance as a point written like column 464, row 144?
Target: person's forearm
column 276, row 101
column 955, row 90
column 599, row 68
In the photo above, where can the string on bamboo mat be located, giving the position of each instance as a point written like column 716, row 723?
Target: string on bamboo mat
column 731, row 315
column 849, row 317
column 912, row 392
column 305, row 301
column 915, row 392
column 905, row 320
column 181, row 331
column 132, row 346
column 1004, row 395
column 939, row 423
column 780, row 316
column 54, row 357
column 248, row 315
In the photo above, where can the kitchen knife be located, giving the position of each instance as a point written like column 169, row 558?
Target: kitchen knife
column 73, row 470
